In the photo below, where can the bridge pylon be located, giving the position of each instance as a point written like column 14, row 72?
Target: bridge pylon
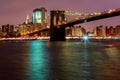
column 57, row 33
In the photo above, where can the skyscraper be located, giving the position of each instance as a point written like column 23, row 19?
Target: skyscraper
column 27, row 19
column 40, row 16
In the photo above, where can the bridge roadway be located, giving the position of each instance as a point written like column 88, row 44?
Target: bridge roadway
column 36, row 32
column 103, row 15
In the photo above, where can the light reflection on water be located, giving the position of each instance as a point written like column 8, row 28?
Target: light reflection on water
column 37, row 62
column 85, row 63
column 70, row 60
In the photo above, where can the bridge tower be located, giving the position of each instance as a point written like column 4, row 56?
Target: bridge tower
column 57, row 33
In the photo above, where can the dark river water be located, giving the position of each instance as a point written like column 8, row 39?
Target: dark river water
column 70, row 60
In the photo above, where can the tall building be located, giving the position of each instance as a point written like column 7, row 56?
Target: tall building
column 40, row 17
column 11, row 28
column 27, row 19
column 95, row 31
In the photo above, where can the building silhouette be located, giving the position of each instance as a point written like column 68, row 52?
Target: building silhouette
column 8, row 30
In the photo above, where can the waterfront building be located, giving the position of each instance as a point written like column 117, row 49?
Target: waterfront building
column 90, row 34
column 8, row 30
column 78, row 31
column 103, row 31
column 100, row 31
column 68, row 31
column 95, row 31
column 111, row 31
column 117, row 30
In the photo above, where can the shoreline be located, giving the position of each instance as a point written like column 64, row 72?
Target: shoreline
column 70, row 39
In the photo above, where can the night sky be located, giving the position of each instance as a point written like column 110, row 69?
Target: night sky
column 15, row 11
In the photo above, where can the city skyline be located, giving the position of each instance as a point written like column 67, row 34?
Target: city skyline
column 14, row 12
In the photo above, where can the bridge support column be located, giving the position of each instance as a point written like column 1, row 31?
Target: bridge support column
column 57, row 33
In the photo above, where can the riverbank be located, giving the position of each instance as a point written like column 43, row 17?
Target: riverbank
column 67, row 39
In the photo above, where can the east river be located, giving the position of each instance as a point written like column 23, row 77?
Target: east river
column 69, row 60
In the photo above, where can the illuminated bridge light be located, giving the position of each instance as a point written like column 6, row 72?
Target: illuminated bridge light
column 111, row 10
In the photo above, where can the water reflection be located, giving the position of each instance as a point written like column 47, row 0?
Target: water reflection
column 85, row 63
column 111, row 64
column 37, row 65
column 70, row 60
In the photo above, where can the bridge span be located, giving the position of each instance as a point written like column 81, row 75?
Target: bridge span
column 102, row 15
column 57, row 32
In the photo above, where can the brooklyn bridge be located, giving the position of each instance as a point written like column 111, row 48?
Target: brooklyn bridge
column 58, row 23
